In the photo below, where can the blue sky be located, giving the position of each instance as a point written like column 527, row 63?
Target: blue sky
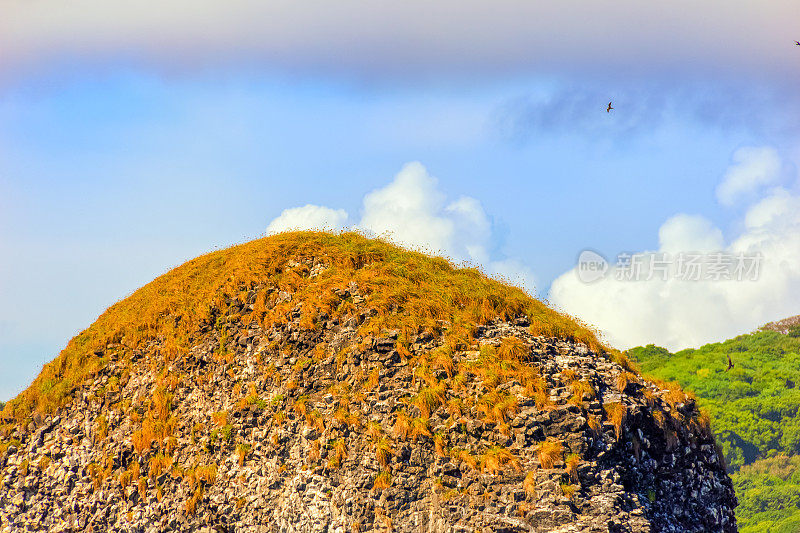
column 116, row 166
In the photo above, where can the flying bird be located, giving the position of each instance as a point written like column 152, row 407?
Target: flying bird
column 609, row 108
column 730, row 363
column 797, row 43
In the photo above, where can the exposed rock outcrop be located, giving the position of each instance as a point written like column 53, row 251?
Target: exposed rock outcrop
column 325, row 426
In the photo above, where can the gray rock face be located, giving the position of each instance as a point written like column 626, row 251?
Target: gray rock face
column 326, row 430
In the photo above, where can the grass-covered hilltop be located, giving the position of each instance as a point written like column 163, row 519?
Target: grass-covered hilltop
column 318, row 382
column 755, row 408
column 408, row 290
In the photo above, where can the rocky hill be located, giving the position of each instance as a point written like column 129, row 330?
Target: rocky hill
column 314, row 382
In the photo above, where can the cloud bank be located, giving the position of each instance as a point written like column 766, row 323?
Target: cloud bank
column 410, row 38
column 413, row 212
column 678, row 313
column 753, row 169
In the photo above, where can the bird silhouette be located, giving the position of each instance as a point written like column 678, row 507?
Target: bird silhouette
column 609, row 108
column 797, row 43
column 730, row 363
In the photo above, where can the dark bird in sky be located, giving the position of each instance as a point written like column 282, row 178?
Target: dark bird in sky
column 730, row 363
column 609, row 108
column 797, row 43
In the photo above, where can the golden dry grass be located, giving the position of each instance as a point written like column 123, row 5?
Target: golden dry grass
column 402, row 425
column 338, row 454
column 383, row 451
column 374, row 430
column 419, row 428
column 512, row 348
column 568, row 375
column 170, row 308
column 594, row 424
column 568, row 490
column 550, row 452
column 314, row 454
column 382, row 481
column 581, row 390
column 429, row 399
column 623, row 379
column 497, row 407
column 191, row 503
column 616, row 413
column 241, row 453
column 465, row 457
column 443, row 360
column 529, row 484
column 496, row 458
column 159, row 463
column 572, row 463
column 438, row 441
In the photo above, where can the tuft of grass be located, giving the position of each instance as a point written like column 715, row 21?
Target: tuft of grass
column 650, row 397
column 568, row 490
column 497, row 407
column 316, row 420
column 529, row 484
column 438, row 441
column 382, row 481
column 220, row 418
column 512, row 348
column 125, row 479
column 465, row 457
column 159, row 463
column 100, row 428
column 191, row 503
column 374, row 431
column 568, row 375
column 314, row 453
column 383, row 451
column 494, row 459
column 616, row 413
column 581, row 390
column 443, row 360
column 572, row 462
column 455, row 407
column 206, row 473
column 594, row 425
column 623, row 379
column 338, row 453
column 402, row 425
column 301, row 406
column 241, row 452
column 429, row 399
column 550, row 452
column 419, row 428
column 701, row 421
column 374, row 378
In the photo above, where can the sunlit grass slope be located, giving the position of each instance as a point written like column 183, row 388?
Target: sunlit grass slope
column 409, row 290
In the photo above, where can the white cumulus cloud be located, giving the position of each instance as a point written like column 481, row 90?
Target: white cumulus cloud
column 679, row 313
column 308, row 217
column 693, row 233
column 413, row 212
column 753, row 168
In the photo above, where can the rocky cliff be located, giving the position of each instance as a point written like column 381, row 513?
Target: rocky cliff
column 310, row 382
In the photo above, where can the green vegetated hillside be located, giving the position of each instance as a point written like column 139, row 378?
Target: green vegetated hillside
column 754, row 408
